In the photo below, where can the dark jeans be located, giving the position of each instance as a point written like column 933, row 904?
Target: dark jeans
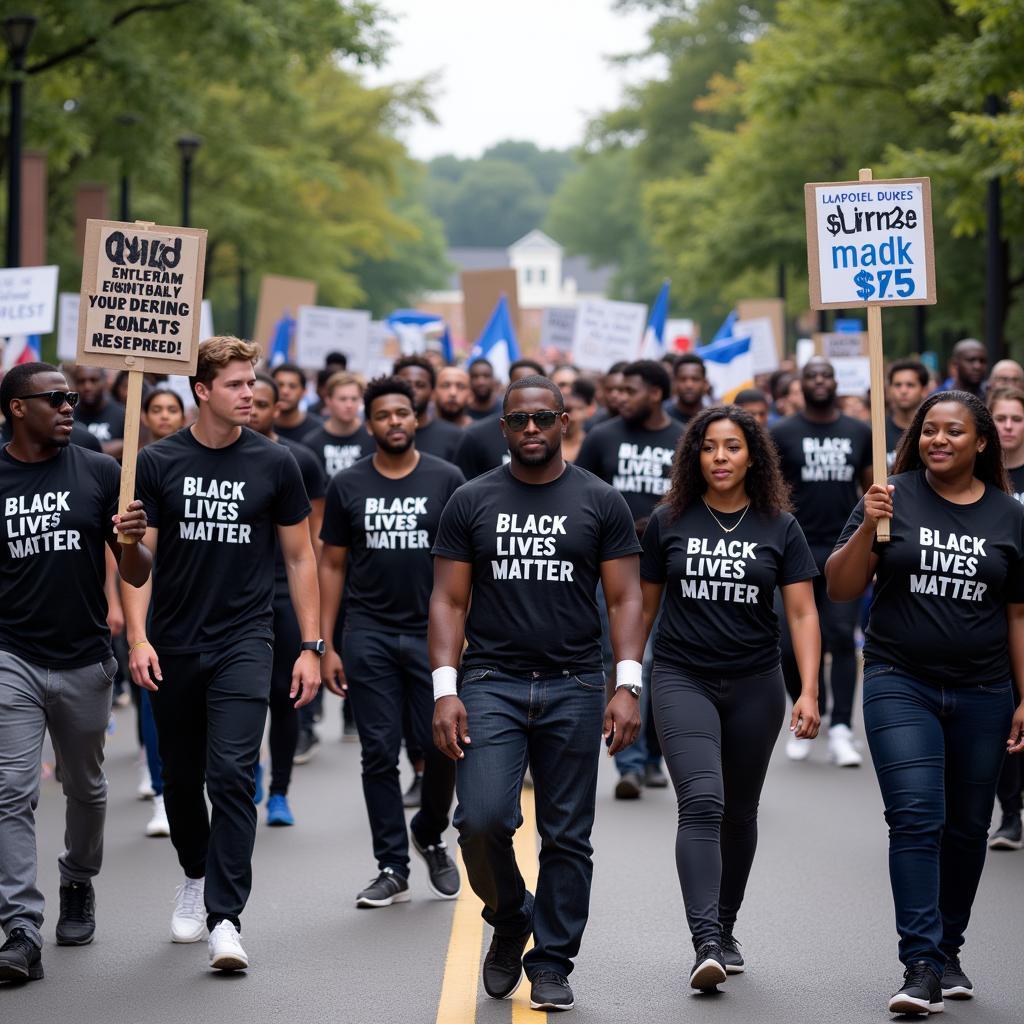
column 937, row 753
column 554, row 724
column 150, row 742
column 210, row 712
column 284, row 719
column 386, row 672
column 1011, row 784
column 838, row 621
column 717, row 735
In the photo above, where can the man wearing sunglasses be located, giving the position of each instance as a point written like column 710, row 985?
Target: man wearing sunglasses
column 56, row 667
column 518, row 556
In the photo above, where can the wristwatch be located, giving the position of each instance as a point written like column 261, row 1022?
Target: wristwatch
column 635, row 690
column 318, row 647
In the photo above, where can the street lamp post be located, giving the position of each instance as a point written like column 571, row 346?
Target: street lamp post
column 187, row 146
column 18, row 31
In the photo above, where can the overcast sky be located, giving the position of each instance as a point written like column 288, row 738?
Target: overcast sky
column 528, row 69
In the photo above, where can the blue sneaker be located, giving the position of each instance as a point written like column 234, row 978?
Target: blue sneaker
column 278, row 811
column 258, row 795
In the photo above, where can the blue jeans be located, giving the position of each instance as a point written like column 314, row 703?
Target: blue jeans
column 937, row 753
column 555, row 724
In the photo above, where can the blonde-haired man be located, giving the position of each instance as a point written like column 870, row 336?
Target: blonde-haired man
column 342, row 439
column 215, row 495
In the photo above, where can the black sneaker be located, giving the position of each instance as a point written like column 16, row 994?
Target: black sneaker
column 1008, row 835
column 955, row 984
column 20, row 958
column 921, row 992
column 442, row 874
column 654, row 777
column 77, row 922
column 385, row 889
column 306, row 748
column 503, row 965
column 731, row 954
column 629, row 787
column 414, row 794
column 550, row 991
column 709, row 967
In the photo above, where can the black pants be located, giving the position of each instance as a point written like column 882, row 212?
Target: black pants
column 838, row 623
column 1011, row 784
column 210, row 711
column 284, row 719
column 387, row 671
column 717, row 736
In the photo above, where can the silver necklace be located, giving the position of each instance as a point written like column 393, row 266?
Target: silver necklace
column 726, row 529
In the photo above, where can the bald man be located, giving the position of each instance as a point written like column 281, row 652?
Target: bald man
column 1007, row 373
column 970, row 365
column 451, row 396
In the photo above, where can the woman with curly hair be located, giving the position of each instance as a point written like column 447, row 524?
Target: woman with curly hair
column 716, row 548
column 944, row 641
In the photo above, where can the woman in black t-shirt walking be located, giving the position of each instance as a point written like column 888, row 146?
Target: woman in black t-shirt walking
column 944, row 641
column 717, row 547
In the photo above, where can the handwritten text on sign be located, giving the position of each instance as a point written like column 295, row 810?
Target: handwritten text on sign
column 143, row 302
column 872, row 242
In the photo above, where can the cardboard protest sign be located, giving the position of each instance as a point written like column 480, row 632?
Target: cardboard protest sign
column 557, row 328
column 607, row 332
column 841, row 344
column 322, row 329
column 280, row 297
column 481, row 290
column 28, row 299
column 142, row 286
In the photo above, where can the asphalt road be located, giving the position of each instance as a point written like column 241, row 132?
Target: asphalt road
column 817, row 927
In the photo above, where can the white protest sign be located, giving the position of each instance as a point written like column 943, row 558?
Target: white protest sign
column 181, row 387
column 607, row 332
column 28, row 300
column 67, row 326
column 870, row 241
column 557, row 328
column 853, row 375
column 764, row 353
column 805, row 350
column 843, row 344
column 320, row 330
column 206, row 320
column 382, row 350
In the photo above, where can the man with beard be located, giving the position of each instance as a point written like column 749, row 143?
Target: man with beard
column 482, row 405
column 633, row 453
column 826, row 460
column 433, row 436
column 291, row 421
column 970, row 366
column 379, row 525
column 691, row 385
column 97, row 411
column 517, row 559
column 611, row 385
column 451, row 396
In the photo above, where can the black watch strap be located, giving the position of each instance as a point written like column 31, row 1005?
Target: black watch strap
column 317, row 646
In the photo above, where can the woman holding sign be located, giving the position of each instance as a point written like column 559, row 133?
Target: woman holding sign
column 944, row 642
column 717, row 547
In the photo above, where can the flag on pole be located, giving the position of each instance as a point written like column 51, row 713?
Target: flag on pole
column 497, row 343
column 281, row 342
column 22, row 348
column 728, row 361
column 653, row 345
column 416, row 330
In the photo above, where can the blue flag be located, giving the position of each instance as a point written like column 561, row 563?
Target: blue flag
column 281, row 342
column 497, row 343
column 412, row 326
column 653, row 346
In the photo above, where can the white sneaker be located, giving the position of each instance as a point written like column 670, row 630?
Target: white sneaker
column 798, row 748
column 841, row 749
column 226, row 953
column 145, row 790
column 188, row 922
column 158, row 824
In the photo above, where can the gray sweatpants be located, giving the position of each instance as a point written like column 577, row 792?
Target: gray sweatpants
column 74, row 704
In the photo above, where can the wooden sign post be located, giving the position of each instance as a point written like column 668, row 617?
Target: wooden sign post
column 870, row 244
column 139, row 310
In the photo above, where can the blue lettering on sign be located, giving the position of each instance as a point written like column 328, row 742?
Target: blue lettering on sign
column 866, row 283
column 892, row 251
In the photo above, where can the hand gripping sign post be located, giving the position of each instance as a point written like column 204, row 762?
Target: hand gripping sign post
column 869, row 243
column 142, row 289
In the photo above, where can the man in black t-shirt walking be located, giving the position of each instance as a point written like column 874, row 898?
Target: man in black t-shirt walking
column 379, row 524
column 217, row 494
column 341, row 440
column 826, row 460
column 56, row 667
column 97, row 411
column 292, row 421
column 517, row 560
column 433, row 435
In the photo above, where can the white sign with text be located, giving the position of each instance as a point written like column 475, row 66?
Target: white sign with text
column 607, row 332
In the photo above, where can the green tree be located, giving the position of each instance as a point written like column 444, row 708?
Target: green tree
column 494, row 203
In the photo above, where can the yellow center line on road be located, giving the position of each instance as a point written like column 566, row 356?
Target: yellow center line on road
column 457, row 1004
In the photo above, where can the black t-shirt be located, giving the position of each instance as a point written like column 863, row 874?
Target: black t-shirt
column 388, row 527
column 676, row 413
column 309, row 422
column 893, row 436
column 943, row 583
column 316, row 486
column 1017, row 482
column 439, row 438
column 823, row 463
column 718, row 615
column 636, row 462
column 339, row 451
column 79, row 435
column 476, row 414
column 53, row 566
column 536, row 552
column 483, row 447
column 216, row 510
column 106, row 424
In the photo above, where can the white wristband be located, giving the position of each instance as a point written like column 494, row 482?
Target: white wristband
column 629, row 673
column 446, row 681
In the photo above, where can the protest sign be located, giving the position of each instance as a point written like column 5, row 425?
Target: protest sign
column 382, row 350
column 841, row 344
column 764, row 355
column 280, row 297
column 28, row 299
column 67, row 326
column 206, row 320
column 481, row 290
column 557, row 328
column 774, row 310
column 607, row 332
column 322, row 329
column 853, row 375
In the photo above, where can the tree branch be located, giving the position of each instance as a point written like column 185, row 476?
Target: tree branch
column 87, row 44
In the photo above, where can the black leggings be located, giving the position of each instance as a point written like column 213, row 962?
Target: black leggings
column 717, row 736
column 284, row 719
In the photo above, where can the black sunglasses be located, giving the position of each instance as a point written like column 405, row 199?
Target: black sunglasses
column 56, row 398
column 544, row 419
